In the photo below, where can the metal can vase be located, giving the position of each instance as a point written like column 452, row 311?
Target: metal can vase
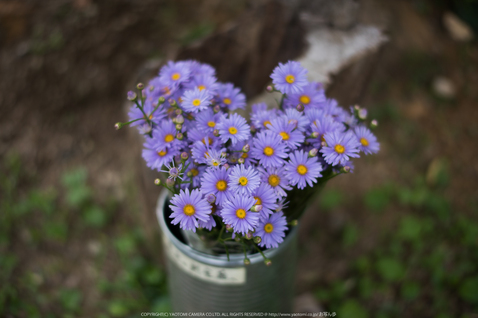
column 200, row 282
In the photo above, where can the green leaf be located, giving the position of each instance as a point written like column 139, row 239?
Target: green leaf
column 390, row 269
column 469, row 290
column 410, row 228
column 352, row 309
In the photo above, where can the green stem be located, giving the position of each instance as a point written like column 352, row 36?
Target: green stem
column 258, row 249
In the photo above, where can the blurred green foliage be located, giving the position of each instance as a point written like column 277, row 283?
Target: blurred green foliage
column 425, row 265
column 36, row 221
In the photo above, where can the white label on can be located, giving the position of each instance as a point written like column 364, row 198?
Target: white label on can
column 212, row 274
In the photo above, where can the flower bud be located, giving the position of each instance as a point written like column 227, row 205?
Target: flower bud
column 229, row 227
column 357, row 107
column 140, row 86
column 215, row 132
column 184, row 155
column 226, row 165
column 172, row 102
column 314, row 134
column 179, row 127
column 257, row 239
column 246, row 148
column 268, row 262
column 170, row 182
column 157, row 181
column 269, row 88
column 161, row 100
column 241, row 161
column 345, row 169
column 237, row 238
column 178, row 111
column 180, row 119
column 313, row 152
column 253, row 129
column 174, row 172
column 294, row 223
column 373, row 124
column 131, row 96
column 300, row 107
column 179, row 135
column 249, row 235
column 216, row 109
column 256, row 208
column 247, row 261
column 118, row 126
column 223, row 154
column 362, row 114
column 189, row 174
column 323, row 144
column 211, row 198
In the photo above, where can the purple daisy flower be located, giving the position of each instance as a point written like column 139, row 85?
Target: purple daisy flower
column 203, row 82
column 234, row 128
column 209, row 224
column 196, row 100
column 243, row 180
column 165, row 136
column 291, row 137
column 230, row 97
column 272, row 230
column 207, row 120
column 265, row 196
column 196, row 135
column 269, row 149
column 156, row 158
column 215, row 181
column 276, row 178
column 262, row 118
column 368, row 142
column 289, row 78
column 340, row 147
column 198, row 69
column 236, row 212
column 188, row 208
column 173, row 74
column 309, row 97
column 197, row 172
column 323, row 125
column 215, row 157
column 302, row 121
column 302, row 170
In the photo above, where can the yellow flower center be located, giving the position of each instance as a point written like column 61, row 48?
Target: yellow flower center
column 243, row 181
column 232, row 130
column 209, row 140
column 201, row 87
column 241, row 213
column 268, row 228
column 189, row 210
column 211, row 124
column 322, row 138
column 284, row 135
column 215, row 163
column 339, row 149
column 221, row 185
column 301, row 169
column 196, row 102
column 364, row 142
column 195, row 172
column 168, row 138
column 268, row 151
column 258, row 201
column 267, row 123
column 274, row 180
column 227, row 101
column 304, row 99
column 175, row 76
column 290, row 79
column 163, row 153
column 244, row 155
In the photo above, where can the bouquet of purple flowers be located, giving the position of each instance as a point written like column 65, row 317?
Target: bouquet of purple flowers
column 239, row 181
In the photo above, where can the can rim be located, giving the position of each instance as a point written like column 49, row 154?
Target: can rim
column 235, row 260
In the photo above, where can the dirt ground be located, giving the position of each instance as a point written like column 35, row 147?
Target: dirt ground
column 66, row 67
